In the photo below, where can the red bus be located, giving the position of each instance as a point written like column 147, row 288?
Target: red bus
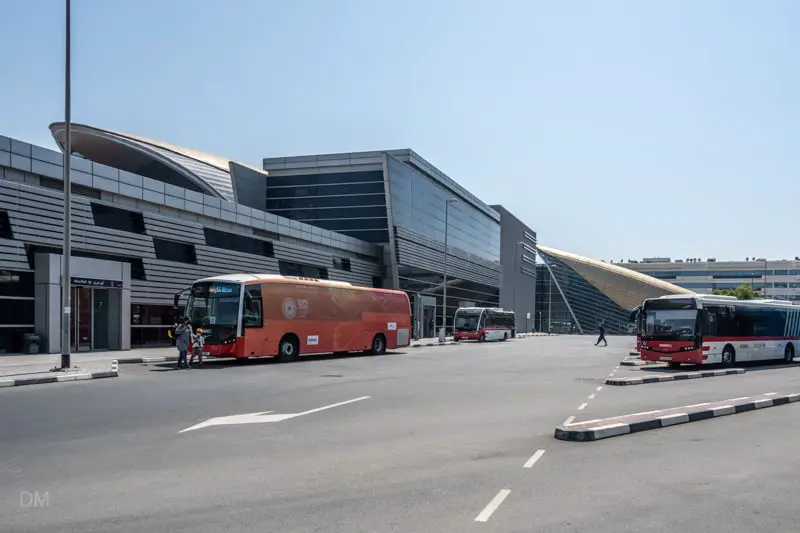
column 702, row 329
column 254, row 315
column 483, row 324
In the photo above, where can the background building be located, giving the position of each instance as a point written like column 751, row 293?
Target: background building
column 148, row 219
column 518, row 258
column 398, row 200
column 777, row 279
column 575, row 293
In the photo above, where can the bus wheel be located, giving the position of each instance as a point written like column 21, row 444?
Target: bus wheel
column 378, row 345
column 482, row 338
column 288, row 349
column 788, row 354
column 728, row 355
column 505, row 336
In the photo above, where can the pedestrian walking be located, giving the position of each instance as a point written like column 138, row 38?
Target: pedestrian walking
column 602, row 336
column 198, row 341
column 183, row 341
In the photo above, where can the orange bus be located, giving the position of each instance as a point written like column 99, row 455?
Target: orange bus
column 255, row 315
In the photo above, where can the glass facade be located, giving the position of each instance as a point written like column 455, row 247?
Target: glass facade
column 589, row 305
column 552, row 314
column 418, row 205
column 352, row 203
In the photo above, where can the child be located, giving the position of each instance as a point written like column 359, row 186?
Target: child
column 198, row 340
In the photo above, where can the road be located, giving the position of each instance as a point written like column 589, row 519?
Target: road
column 441, row 440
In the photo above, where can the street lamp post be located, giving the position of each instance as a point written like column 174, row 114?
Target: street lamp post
column 517, row 254
column 549, row 300
column 66, row 252
column 443, row 331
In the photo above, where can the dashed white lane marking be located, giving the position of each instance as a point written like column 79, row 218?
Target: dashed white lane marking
column 616, row 368
column 591, row 396
column 492, row 506
column 771, row 394
column 535, row 457
column 582, row 406
column 599, row 389
column 568, row 421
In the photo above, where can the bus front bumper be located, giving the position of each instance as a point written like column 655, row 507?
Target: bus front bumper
column 671, row 352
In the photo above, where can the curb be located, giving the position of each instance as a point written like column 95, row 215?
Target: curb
column 138, row 360
column 83, row 376
column 674, row 377
column 606, row 428
column 634, row 362
column 447, row 343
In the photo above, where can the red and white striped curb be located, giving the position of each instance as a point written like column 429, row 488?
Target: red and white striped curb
column 623, row 425
column 678, row 376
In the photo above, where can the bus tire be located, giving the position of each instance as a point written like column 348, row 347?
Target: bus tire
column 728, row 355
column 288, row 348
column 482, row 338
column 788, row 353
column 505, row 337
column 378, row 345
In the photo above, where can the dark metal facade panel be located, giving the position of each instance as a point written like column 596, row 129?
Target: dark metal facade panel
column 12, row 255
column 419, row 252
column 36, row 215
column 170, row 228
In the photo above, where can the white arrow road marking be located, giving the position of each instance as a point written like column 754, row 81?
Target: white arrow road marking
column 263, row 417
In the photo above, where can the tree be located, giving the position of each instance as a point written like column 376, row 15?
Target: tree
column 742, row 292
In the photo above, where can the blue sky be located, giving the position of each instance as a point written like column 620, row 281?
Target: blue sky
column 614, row 129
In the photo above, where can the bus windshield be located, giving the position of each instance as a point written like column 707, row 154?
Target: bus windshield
column 466, row 320
column 214, row 304
column 671, row 324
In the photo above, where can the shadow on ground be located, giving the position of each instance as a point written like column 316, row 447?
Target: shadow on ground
column 224, row 364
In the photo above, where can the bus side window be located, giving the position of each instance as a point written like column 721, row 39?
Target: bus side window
column 710, row 326
column 252, row 314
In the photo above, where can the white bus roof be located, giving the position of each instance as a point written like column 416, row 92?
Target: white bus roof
column 241, row 278
column 718, row 298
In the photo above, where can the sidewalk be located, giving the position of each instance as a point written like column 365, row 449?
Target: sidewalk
column 40, row 369
column 12, row 365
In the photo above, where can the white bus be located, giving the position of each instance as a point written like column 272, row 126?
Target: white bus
column 703, row 329
column 483, row 324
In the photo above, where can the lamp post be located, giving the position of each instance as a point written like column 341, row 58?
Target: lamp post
column 549, row 300
column 517, row 254
column 443, row 331
column 66, row 252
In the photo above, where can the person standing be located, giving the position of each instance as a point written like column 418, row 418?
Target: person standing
column 602, row 336
column 198, row 341
column 183, row 341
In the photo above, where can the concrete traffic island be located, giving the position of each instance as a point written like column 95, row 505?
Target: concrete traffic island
column 626, row 424
column 34, row 375
column 677, row 376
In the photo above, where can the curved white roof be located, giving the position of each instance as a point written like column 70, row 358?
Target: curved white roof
column 627, row 288
column 210, row 174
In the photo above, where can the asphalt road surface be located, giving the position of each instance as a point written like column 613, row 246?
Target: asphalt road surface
column 454, row 438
